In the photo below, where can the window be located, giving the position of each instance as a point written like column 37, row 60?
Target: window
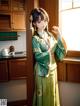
column 69, row 22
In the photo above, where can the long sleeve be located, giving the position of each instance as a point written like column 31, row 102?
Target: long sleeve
column 60, row 50
column 41, row 57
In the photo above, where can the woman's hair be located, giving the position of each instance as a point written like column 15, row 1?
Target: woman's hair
column 35, row 14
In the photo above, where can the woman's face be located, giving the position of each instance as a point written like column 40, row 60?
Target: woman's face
column 41, row 24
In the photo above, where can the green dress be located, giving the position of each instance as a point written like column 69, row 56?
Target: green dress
column 46, row 91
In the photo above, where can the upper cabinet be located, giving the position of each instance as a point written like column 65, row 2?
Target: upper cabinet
column 12, row 15
column 18, row 21
column 18, row 5
column 5, row 21
column 4, row 5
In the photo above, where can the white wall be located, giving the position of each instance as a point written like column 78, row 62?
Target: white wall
column 20, row 44
column 69, row 94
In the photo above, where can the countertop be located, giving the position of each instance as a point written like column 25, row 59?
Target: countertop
column 15, row 56
column 71, row 60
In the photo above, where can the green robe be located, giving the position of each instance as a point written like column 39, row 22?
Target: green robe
column 46, row 91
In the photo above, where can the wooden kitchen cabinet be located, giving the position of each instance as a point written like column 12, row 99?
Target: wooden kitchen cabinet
column 69, row 70
column 73, row 72
column 13, row 22
column 17, row 5
column 12, row 18
column 17, row 69
column 3, row 71
column 13, row 69
column 12, row 5
column 5, row 15
column 4, row 5
column 5, row 21
column 18, row 21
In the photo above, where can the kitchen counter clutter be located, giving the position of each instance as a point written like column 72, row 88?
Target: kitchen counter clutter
column 20, row 54
column 13, row 67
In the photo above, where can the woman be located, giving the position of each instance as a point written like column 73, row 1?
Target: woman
column 46, row 51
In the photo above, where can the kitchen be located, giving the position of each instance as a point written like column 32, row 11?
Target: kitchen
column 13, row 57
column 19, row 89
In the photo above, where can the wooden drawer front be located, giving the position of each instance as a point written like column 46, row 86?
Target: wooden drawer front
column 17, row 69
column 73, row 72
column 3, row 71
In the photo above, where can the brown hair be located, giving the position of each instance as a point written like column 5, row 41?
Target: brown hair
column 36, row 13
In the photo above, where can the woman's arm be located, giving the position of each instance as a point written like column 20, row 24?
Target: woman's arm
column 42, row 58
column 58, row 36
column 61, row 48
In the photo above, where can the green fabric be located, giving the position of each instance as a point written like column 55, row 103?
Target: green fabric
column 8, row 36
column 46, row 90
column 45, row 71
column 60, row 50
column 42, row 58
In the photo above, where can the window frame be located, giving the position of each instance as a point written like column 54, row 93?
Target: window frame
column 70, row 53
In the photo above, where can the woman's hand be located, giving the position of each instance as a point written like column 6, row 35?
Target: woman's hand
column 56, row 31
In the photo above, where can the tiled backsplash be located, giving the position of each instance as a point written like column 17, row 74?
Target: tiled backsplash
column 20, row 44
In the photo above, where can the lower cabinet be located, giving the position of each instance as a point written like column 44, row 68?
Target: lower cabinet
column 73, row 72
column 61, row 71
column 3, row 71
column 12, row 69
column 69, row 71
column 17, row 69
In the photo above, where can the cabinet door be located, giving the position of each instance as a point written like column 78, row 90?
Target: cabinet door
column 17, row 69
column 3, row 71
column 5, row 22
column 5, row 5
column 18, row 5
column 18, row 21
column 73, row 72
column 61, row 71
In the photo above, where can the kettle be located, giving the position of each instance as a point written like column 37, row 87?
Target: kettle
column 5, row 52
